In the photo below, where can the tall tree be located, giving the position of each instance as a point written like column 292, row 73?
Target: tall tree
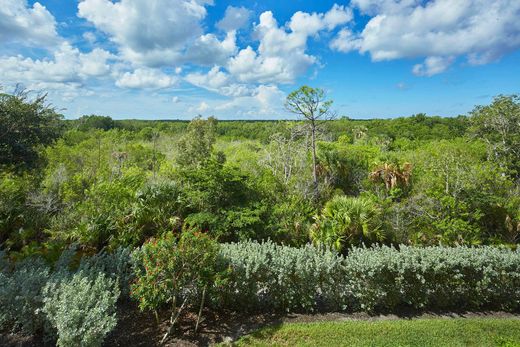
column 311, row 104
column 196, row 145
column 25, row 125
column 499, row 125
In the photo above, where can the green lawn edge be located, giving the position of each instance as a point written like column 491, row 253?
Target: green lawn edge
column 416, row 332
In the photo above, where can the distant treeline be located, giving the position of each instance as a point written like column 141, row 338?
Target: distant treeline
column 416, row 127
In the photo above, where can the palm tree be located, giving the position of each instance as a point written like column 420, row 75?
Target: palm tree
column 347, row 220
column 392, row 175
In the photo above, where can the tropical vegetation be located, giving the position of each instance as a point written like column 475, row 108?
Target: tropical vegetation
column 315, row 214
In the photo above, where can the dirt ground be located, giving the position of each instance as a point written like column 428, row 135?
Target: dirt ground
column 137, row 328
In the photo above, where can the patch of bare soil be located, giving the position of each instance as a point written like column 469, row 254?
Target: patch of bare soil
column 17, row 340
column 137, row 328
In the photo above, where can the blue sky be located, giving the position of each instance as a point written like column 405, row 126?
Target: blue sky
column 164, row 59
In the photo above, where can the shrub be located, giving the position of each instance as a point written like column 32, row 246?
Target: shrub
column 434, row 277
column 81, row 308
column 270, row 276
column 116, row 266
column 176, row 272
column 347, row 221
column 266, row 276
column 21, row 296
column 156, row 208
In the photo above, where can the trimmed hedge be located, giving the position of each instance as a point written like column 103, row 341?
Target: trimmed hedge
column 266, row 276
column 434, row 277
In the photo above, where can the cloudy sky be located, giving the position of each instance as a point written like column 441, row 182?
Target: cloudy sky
column 239, row 59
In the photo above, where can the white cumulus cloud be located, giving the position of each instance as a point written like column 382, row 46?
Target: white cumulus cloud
column 265, row 100
column 218, row 81
column 67, row 66
column 146, row 78
column 32, row 26
column 157, row 32
column 281, row 55
column 208, row 50
column 432, row 66
column 437, row 30
column 235, row 18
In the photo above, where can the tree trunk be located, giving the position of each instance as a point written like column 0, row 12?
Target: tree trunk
column 173, row 319
column 201, row 307
column 314, row 160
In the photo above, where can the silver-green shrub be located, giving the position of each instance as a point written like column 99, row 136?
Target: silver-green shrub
column 117, row 265
column 21, row 295
column 434, row 277
column 270, row 276
column 267, row 276
column 81, row 308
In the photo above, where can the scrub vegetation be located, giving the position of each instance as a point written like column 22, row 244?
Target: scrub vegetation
column 323, row 213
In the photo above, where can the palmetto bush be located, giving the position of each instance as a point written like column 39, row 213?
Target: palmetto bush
column 347, row 221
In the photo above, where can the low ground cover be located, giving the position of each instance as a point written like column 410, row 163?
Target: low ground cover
column 417, row 332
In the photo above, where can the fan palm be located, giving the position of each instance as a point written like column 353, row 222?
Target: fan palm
column 346, row 220
column 392, row 175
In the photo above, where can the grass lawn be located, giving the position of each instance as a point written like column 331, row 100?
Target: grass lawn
column 417, row 332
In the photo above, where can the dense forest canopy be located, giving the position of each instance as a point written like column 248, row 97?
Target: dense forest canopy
column 104, row 183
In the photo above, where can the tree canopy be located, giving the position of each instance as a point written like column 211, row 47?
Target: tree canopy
column 26, row 125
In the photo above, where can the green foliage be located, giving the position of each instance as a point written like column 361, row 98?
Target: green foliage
column 81, row 308
column 291, row 218
column 21, row 215
column 402, row 131
column 311, row 104
column 434, row 278
column 116, row 266
column 156, row 208
column 308, row 102
column 95, row 221
column 345, row 166
column 267, row 276
column 499, row 125
column 21, row 296
column 26, row 125
column 347, row 221
column 417, row 180
column 457, row 197
column 223, row 201
column 172, row 269
column 79, row 303
column 196, row 145
column 85, row 123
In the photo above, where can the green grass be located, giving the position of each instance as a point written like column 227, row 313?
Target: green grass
column 417, row 332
